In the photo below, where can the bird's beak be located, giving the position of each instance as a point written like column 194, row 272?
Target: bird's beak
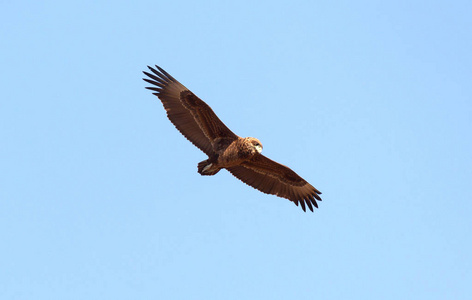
column 258, row 149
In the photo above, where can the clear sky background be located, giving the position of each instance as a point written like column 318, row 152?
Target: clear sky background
column 370, row 101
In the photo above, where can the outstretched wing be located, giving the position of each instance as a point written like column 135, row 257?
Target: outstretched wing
column 189, row 114
column 273, row 178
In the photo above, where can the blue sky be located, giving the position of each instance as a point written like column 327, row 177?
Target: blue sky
column 370, row 101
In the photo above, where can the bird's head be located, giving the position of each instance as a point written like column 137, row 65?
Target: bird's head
column 256, row 144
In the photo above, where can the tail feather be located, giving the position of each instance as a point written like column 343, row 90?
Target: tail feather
column 207, row 168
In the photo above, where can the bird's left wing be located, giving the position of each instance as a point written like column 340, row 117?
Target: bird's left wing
column 189, row 114
column 273, row 178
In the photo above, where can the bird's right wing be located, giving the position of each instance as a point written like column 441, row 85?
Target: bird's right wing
column 273, row 178
column 189, row 114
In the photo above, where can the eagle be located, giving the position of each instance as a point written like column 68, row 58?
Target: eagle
column 240, row 156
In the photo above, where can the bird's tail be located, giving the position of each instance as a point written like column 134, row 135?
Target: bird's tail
column 207, row 168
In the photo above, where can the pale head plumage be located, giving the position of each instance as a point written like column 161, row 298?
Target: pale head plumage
column 255, row 143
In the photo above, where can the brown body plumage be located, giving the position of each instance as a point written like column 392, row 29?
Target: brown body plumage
column 240, row 156
column 236, row 153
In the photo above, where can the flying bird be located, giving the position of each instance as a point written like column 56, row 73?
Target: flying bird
column 240, row 156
